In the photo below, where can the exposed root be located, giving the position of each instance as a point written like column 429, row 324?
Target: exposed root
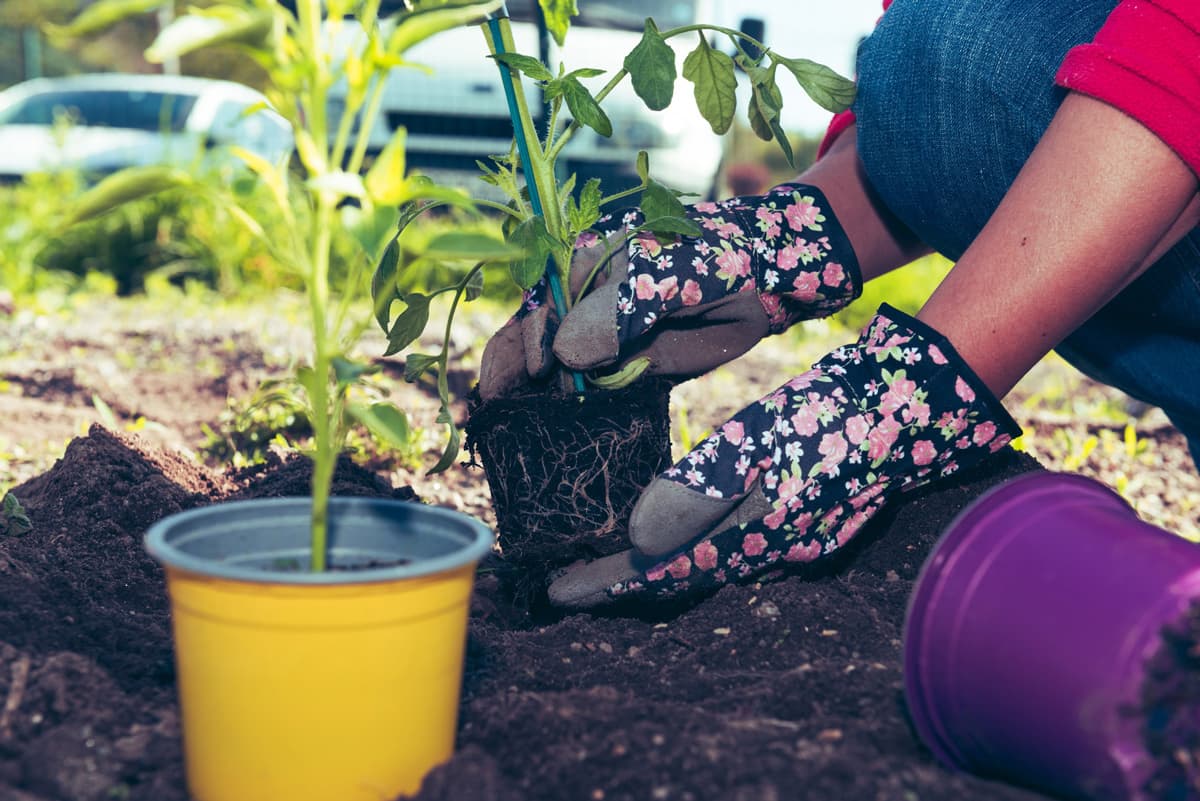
column 564, row 475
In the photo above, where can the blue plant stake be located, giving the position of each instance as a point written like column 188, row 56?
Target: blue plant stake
column 496, row 40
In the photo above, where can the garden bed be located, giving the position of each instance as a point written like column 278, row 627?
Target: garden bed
column 756, row 692
column 789, row 688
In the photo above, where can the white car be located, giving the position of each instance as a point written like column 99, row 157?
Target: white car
column 107, row 121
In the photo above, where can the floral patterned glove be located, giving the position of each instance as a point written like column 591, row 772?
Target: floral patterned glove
column 795, row 475
column 763, row 263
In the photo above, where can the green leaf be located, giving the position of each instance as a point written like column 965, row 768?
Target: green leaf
column 584, row 216
column 651, row 67
column 584, row 107
column 107, row 416
column 13, row 519
column 193, row 32
column 124, row 187
column 410, row 324
column 474, row 286
column 828, row 90
column 643, row 166
column 670, row 227
column 557, row 14
column 766, row 101
column 100, row 16
column 415, row 365
column 585, row 72
column 536, row 243
column 385, row 422
column 414, row 27
column 385, row 180
column 715, row 79
column 527, row 65
column 665, row 213
column 469, row 246
column 384, row 283
column 453, row 446
column 347, row 371
column 372, row 228
column 421, row 188
column 628, row 373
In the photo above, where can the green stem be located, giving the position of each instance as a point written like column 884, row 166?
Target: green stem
column 622, row 194
column 324, row 446
column 501, row 207
column 541, row 165
column 374, row 102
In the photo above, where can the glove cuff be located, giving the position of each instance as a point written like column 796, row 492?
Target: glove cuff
column 989, row 405
column 807, row 268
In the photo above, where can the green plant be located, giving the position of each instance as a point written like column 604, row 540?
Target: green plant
column 546, row 216
column 330, row 189
column 13, row 520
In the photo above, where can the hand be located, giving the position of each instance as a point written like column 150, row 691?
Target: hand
column 795, row 475
column 762, row 264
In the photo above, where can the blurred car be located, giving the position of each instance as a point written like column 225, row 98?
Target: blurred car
column 104, row 122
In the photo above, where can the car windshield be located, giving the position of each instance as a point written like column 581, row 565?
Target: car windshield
column 626, row 14
column 105, row 108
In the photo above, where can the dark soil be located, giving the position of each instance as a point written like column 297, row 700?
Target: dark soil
column 789, row 688
column 565, row 473
column 1171, row 696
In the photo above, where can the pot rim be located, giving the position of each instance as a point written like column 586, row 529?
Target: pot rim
column 161, row 540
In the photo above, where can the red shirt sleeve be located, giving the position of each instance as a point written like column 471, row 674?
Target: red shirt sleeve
column 842, row 120
column 1146, row 62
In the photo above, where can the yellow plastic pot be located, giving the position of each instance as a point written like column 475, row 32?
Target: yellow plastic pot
column 333, row 686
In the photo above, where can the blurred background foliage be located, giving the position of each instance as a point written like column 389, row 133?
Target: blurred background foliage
column 27, row 52
column 189, row 239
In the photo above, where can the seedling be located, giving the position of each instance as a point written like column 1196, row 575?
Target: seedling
column 332, row 189
column 13, row 520
column 545, row 216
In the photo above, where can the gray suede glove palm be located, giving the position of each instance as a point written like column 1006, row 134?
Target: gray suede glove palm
column 688, row 306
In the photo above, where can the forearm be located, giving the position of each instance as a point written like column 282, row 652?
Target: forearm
column 1100, row 198
column 880, row 241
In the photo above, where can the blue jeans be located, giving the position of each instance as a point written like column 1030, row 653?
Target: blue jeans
column 952, row 98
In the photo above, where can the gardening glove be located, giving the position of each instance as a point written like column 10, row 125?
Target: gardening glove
column 795, row 475
column 762, row 264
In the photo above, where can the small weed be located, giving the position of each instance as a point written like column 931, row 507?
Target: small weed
column 1134, row 446
column 1076, row 450
column 684, row 438
column 244, row 433
column 13, row 520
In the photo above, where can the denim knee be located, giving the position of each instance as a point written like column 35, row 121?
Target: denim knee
column 955, row 96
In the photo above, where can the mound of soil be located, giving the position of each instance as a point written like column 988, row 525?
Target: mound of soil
column 786, row 688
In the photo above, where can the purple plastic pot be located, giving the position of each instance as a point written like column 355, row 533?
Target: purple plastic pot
column 1028, row 632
